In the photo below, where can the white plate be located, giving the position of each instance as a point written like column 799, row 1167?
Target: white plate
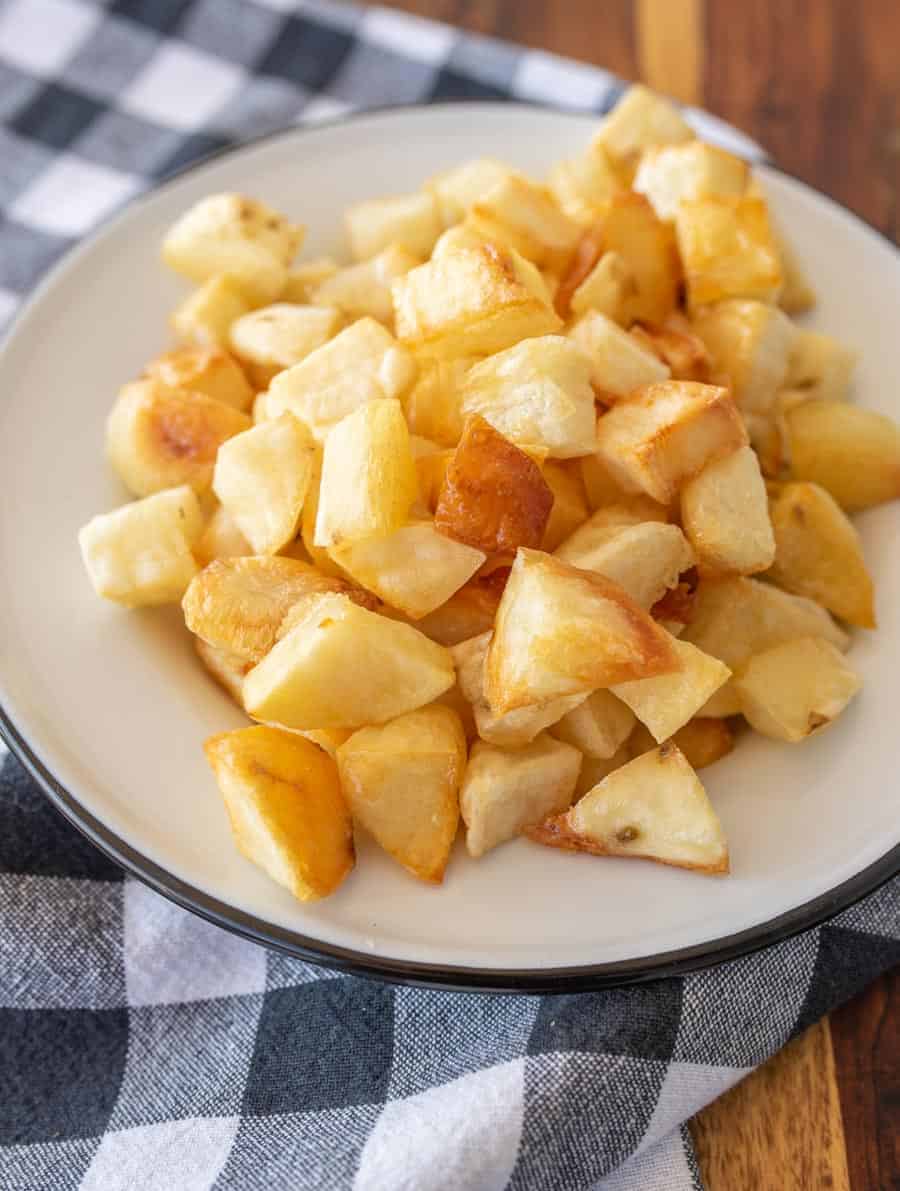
column 110, row 707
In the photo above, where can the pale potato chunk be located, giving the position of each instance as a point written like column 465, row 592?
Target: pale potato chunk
column 207, row 370
column 653, row 808
column 239, row 604
column 728, row 250
column 238, row 236
column 268, row 340
column 640, row 120
column 262, row 477
column 750, row 344
column 227, row 668
column 141, row 553
column 433, row 405
column 583, row 184
column 287, row 812
column 362, row 363
column 402, row 782
column 414, row 569
column 821, row 366
column 605, row 288
column 725, row 514
column 631, row 229
column 627, row 510
column 342, row 666
column 412, row 222
column 619, row 363
column 570, row 507
column 664, row 434
column 529, row 219
column 506, row 791
column 562, row 631
column 471, row 302
column 368, row 476
column 797, row 295
column 515, row 728
column 303, row 276
column 205, row 316
column 854, row 453
column 666, row 703
column 598, row 726
column 669, row 174
column 365, row 289
column 459, row 188
column 221, row 538
column 536, row 393
column 645, row 560
column 157, row 437
column 796, row 688
column 818, row 553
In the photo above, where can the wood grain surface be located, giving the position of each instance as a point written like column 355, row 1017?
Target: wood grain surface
column 817, row 82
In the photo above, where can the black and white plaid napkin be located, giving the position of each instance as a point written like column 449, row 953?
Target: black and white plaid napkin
column 140, row 1047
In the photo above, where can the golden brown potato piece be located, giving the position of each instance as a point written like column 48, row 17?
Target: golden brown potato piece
column 433, row 406
column 583, row 184
column 227, row 668
column 683, row 352
column 582, row 265
column 597, row 727
column 207, row 370
column 703, row 741
column 653, row 808
column 286, row 808
column 664, row 434
column 466, row 614
column 725, row 514
column 526, row 216
column 157, row 437
column 402, row 782
column 570, row 505
column 819, row 554
column 749, row 345
column 854, row 453
column 601, row 486
column 728, row 250
column 644, row 560
column 561, row 631
column 796, row 688
column 494, row 497
column 669, row 174
column 619, row 361
column 633, row 231
column 505, row 791
column 666, row 703
column 595, row 769
column 238, row 604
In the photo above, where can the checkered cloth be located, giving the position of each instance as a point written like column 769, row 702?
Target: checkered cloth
column 142, row 1048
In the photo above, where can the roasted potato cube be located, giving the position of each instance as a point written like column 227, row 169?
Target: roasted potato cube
column 675, row 343
column 329, row 739
column 605, row 289
column 238, row 236
column 702, row 740
column 562, row 631
column 582, row 185
column 434, row 404
column 645, row 560
column 412, row 222
column 141, row 553
column 669, row 174
column 854, row 453
column 268, row 340
column 402, row 782
column 728, row 250
column 494, row 497
column 157, row 437
column 471, row 302
column 628, row 510
column 597, row 727
column 221, row 538
column 750, row 345
column 468, row 613
column 287, row 812
column 796, row 688
column 204, row 318
column 529, row 219
column 631, row 229
column 302, row 277
column 725, row 514
column 797, row 295
column 207, row 370
column 431, row 468
column 818, row 553
column 820, row 366
column 262, row 477
column 317, row 554
column 619, row 363
column 459, row 188
column 342, row 666
column 414, row 569
column 570, row 507
column 506, row 791
column 653, row 808
column 365, row 289
column 368, row 476
column 595, row 769
column 537, row 393
column 227, row 668
column 664, row 434
column 640, row 120
column 515, row 728
column 601, row 486
column 362, row 363
column 238, row 604
column 666, row 703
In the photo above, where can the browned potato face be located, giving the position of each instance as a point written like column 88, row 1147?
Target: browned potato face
column 678, row 347
column 468, row 613
column 704, row 741
column 632, row 229
column 207, row 370
column 494, row 497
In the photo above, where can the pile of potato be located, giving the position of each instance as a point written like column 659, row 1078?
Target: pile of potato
column 511, row 519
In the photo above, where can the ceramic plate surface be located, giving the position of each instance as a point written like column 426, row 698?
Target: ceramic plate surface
column 110, row 708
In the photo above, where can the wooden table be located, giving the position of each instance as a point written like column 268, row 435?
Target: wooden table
column 817, row 82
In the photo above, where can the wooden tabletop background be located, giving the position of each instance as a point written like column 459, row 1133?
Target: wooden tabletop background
column 817, row 82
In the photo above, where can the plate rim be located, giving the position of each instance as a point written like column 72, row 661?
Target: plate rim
column 454, row 978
